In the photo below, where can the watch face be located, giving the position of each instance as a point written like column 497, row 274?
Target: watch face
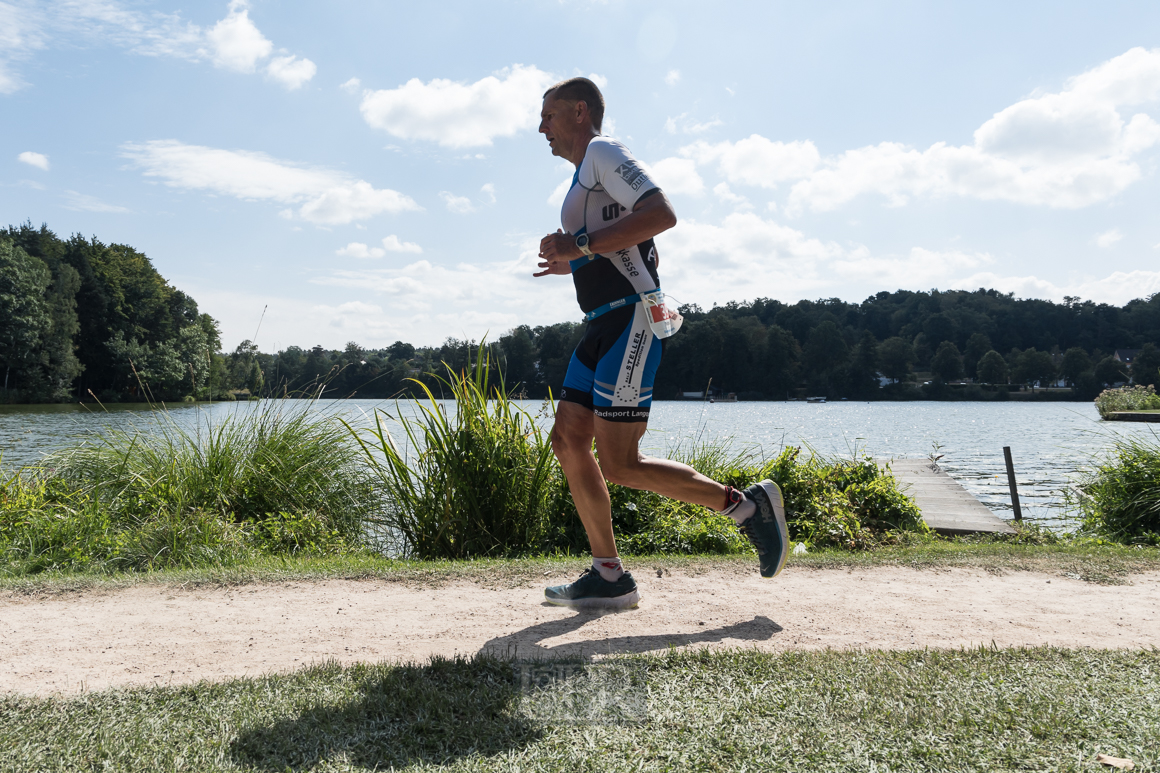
column 582, row 241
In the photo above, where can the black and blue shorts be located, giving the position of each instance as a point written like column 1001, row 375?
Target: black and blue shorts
column 613, row 367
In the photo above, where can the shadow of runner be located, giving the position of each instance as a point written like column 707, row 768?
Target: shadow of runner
column 435, row 713
column 526, row 643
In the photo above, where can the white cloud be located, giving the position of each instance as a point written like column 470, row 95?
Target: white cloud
column 488, row 190
column 291, row 71
column 1068, row 149
column 460, row 115
column 688, row 127
column 725, row 194
column 455, row 301
column 672, row 77
column 704, row 126
column 20, row 34
column 757, row 160
column 918, row 269
column 750, row 256
column 148, row 34
column 360, row 250
column 38, row 160
column 1108, row 238
column 460, row 205
column 324, row 196
column 466, row 300
column 1116, row 288
column 677, row 175
column 393, row 244
column 235, row 41
column 351, row 86
column 85, row 203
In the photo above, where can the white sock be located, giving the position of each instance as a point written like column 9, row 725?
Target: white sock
column 741, row 511
column 610, row 568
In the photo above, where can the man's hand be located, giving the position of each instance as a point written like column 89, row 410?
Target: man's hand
column 555, row 252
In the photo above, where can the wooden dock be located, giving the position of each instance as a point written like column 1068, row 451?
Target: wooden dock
column 1134, row 416
column 946, row 506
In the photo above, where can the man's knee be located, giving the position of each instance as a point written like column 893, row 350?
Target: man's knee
column 622, row 472
column 570, row 437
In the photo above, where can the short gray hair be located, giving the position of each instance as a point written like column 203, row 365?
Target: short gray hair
column 581, row 90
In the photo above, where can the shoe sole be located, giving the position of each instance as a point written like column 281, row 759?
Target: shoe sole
column 773, row 491
column 626, row 601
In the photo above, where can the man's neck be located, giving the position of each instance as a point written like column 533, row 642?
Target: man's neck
column 580, row 147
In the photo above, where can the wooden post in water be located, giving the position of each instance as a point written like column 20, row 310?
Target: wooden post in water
column 1011, row 483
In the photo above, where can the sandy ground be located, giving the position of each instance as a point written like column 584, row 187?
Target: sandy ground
column 167, row 635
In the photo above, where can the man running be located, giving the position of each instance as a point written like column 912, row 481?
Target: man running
column 610, row 216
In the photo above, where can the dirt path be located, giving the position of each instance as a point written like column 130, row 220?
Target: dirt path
column 166, row 635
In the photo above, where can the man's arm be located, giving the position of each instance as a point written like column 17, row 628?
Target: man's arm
column 649, row 217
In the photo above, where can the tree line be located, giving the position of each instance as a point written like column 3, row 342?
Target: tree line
column 80, row 318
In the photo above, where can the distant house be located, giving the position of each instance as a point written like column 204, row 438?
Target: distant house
column 1126, row 355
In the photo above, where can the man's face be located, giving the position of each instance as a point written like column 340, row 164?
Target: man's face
column 558, row 123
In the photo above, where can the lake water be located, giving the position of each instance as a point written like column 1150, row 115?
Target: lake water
column 1050, row 442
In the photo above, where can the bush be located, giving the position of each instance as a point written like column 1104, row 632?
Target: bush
column 851, row 504
column 1120, row 498
column 1129, row 398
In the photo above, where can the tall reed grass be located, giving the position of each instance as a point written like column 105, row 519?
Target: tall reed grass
column 479, row 480
column 275, row 478
column 1120, row 497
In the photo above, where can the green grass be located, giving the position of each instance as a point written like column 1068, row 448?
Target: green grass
column 1088, row 561
column 978, row 710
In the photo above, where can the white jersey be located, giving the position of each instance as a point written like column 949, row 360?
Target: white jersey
column 608, row 184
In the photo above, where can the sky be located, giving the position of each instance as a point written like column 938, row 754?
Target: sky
column 319, row 173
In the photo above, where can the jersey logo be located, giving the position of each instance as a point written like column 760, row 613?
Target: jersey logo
column 610, row 212
column 632, row 174
column 626, row 261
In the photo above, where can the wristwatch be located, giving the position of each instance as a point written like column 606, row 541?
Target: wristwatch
column 582, row 245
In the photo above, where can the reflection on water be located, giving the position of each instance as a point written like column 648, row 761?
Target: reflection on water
column 1049, row 441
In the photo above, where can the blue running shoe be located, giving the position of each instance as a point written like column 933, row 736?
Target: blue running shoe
column 766, row 528
column 591, row 591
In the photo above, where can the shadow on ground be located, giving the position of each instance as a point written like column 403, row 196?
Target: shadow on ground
column 436, row 713
column 450, row 708
column 528, row 643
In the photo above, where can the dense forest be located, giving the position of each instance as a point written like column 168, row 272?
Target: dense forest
column 79, row 318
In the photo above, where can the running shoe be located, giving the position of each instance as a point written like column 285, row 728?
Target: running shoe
column 592, row 591
column 766, row 528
